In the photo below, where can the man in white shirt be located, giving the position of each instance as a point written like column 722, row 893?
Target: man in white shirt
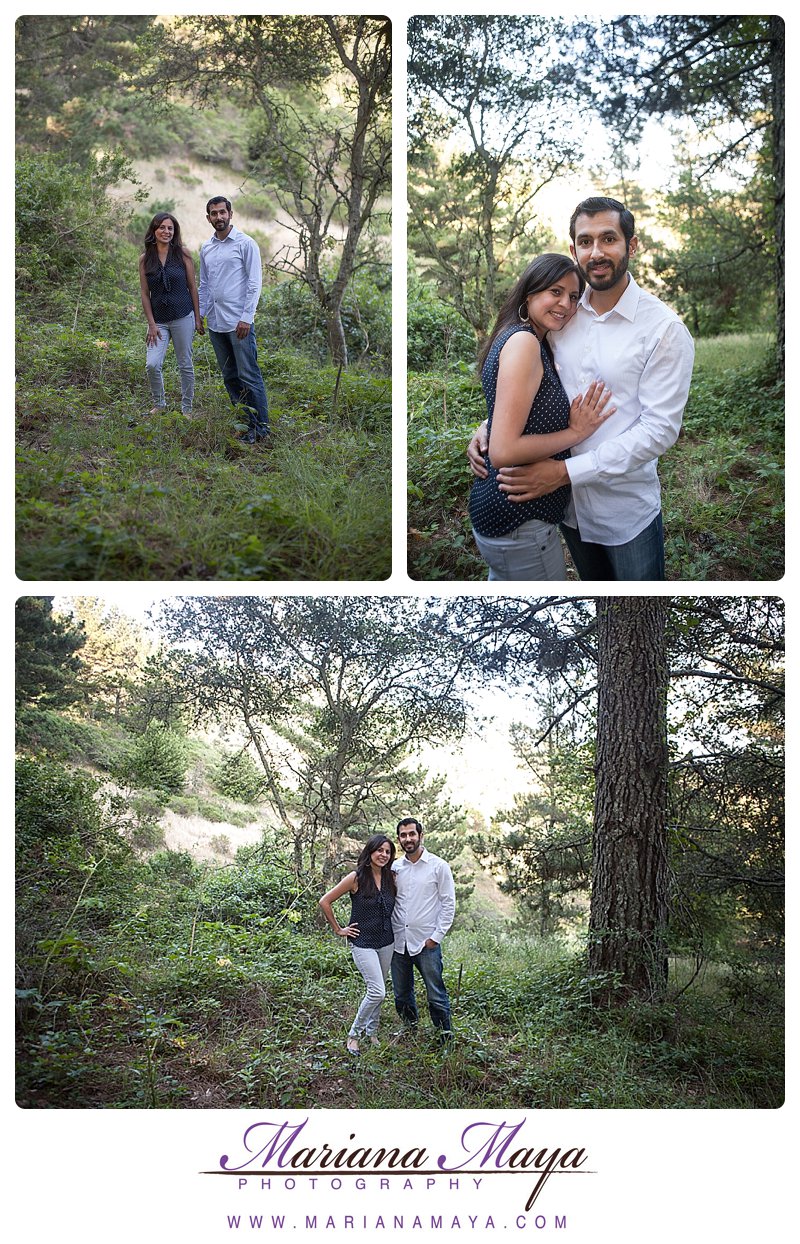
column 423, row 912
column 230, row 287
column 644, row 354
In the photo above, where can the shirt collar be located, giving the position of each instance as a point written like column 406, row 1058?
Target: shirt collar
column 626, row 305
column 234, row 231
column 404, row 861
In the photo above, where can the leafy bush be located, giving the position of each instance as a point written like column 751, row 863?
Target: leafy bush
column 52, row 802
column 158, row 759
column 437, row 334
column 293, row 314
column 249, row 892
column 239, row 777
column 65, row 221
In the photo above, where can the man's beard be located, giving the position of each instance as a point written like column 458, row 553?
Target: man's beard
column 609, row 279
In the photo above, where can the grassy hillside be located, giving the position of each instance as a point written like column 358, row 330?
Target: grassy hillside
column 200, row 977
column 106, row 491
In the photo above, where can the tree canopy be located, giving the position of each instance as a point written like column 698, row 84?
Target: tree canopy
column 47, row 650
column 497, row 85
column 322, row 90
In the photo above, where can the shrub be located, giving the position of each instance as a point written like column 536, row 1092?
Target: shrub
column 296, row 316
column 65, row 220
column 158, row 759
column 52, row 802
column 437, row 334
column 239, row 777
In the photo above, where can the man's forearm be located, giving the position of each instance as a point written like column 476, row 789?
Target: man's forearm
column 526, row 483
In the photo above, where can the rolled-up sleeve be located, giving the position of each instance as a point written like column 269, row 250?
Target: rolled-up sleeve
column 447, row 902
column 663, row 393
column 203, row 291
column 252, row 285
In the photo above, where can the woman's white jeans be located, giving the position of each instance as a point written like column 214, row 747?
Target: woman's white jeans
column 182, row 334
column 531, row 551
column 374, row 967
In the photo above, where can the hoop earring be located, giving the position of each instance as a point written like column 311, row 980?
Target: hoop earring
column 524, row 318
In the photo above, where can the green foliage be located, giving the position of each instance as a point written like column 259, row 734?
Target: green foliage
column 256, row 890
column 67, row 76
column 443, row 413
column 240, row 778
column 722, row 492
column 436, row 334
column 158, row 759
column 47, row 667
column 367, row 317
column 53, row 803
column 65, row 222
column 172, row 985
column 69, row 739
column 540, row 848
column 105, row 492
column 209, row 809
column 495, row 87
column 723, row 485
column 720, row 275
column 167, row 499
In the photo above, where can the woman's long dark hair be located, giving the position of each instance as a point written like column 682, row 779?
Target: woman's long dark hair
column 151, row 260
column 364, row 877
column 540, row 274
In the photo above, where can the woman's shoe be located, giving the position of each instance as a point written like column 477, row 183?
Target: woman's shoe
column 352, row 1046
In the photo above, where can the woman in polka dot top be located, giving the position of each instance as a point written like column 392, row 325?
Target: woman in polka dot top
column 530, row 418
column 171, row 307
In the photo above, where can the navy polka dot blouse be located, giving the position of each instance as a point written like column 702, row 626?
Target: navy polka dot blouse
column 170, row 298
column 490, row 511
column 373, row 915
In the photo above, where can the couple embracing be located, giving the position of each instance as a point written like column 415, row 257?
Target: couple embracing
column 586, row 377
column 400, row 912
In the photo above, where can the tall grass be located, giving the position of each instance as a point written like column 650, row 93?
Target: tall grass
column 106, row 491
column 259, row 1018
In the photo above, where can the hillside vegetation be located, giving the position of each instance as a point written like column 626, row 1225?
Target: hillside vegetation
column 151, row 977
column 104, row 490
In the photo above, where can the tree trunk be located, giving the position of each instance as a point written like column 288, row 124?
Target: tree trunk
column 336, row 340
column 629, row 906
column 777, row 58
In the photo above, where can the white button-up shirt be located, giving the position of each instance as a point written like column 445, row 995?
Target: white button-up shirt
column 230, row 280
column 425, row 904
column 644, row 354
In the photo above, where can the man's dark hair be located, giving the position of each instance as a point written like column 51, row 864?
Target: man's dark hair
column 599, row 203
column 410, row 820
column 218, row 198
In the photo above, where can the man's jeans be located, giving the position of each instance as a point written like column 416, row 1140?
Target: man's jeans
column 238, row 362
column 181, row 332
column 642, row 558
column 429, row 965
